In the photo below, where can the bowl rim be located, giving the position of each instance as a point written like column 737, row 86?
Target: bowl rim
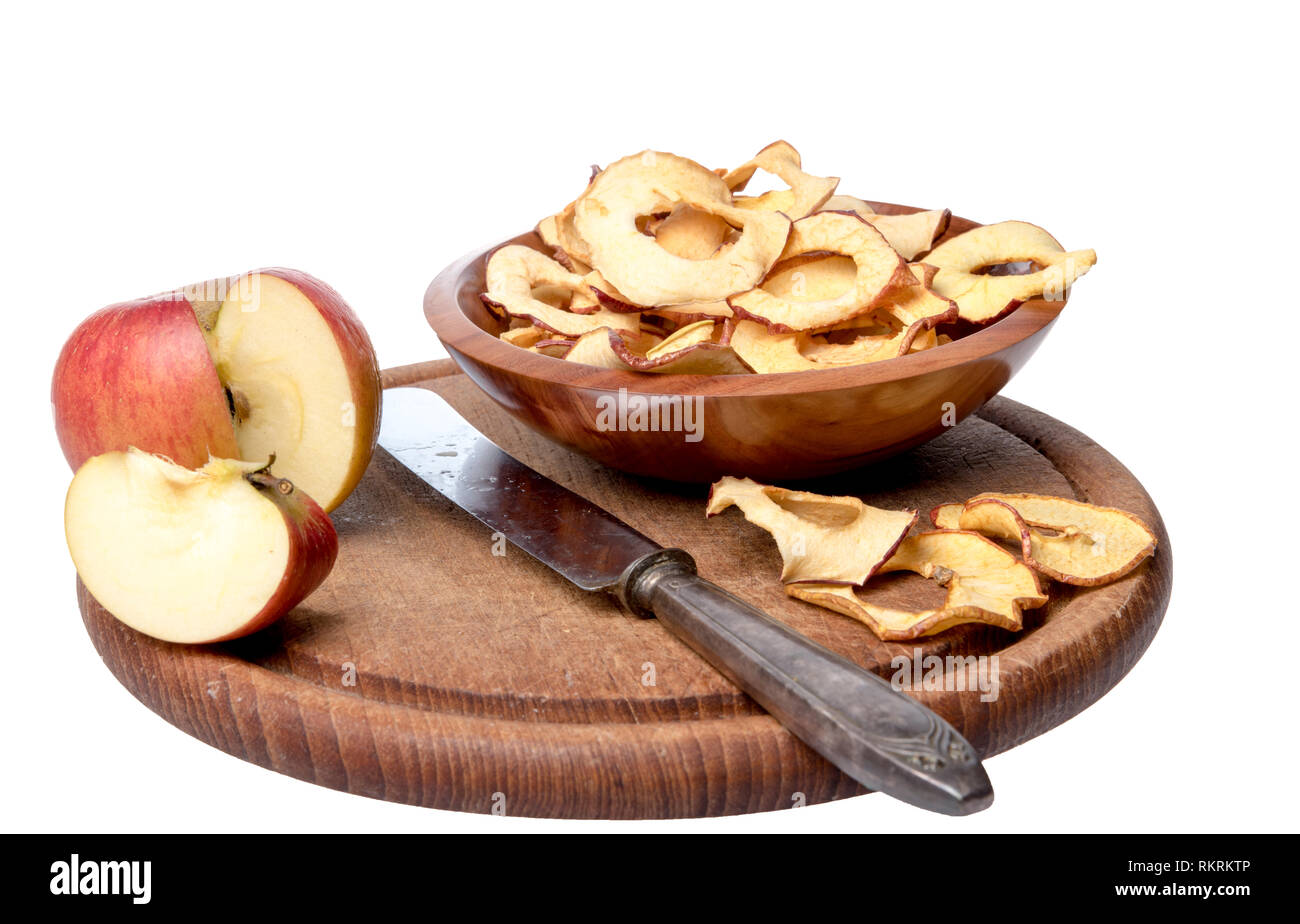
column 462, row 337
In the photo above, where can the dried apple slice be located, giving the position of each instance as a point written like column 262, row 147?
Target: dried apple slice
column 684, row 338
column 690, row 233
column 879, row 271
column 609, row 297
column 766, row 352
column 556, row 348
column 910, row 235
column 515, row 272
column 703, row 358
column 925, row 340
column 919, row 309
column 606, row 217
column 594, row 348
column 909, row 315
column 1067, row 540
column 695, row 311
column 688, row 351
column 984, row 297
column 947, row 516
column 985, row 584
column 548, row 230
column 525, row 337
column 820, row 537
column 559, row 233
column 805, row 195
column 812, row 277
column 866, row 348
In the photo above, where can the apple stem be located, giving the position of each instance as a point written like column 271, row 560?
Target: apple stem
column 262, row 479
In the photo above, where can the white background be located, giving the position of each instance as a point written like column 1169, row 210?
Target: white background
column 150, row 146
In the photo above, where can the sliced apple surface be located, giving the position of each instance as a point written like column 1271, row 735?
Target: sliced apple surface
column 302, row 380
column 190, row 555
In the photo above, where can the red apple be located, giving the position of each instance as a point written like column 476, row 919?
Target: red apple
column 190, row 555
column 139, row 373
column 277, row 364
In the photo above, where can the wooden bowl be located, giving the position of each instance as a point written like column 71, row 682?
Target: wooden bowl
column 788, row 425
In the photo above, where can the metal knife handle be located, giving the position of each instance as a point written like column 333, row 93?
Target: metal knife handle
column 879, row 736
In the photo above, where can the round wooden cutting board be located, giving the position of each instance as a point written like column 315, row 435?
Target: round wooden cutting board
column 432, row 669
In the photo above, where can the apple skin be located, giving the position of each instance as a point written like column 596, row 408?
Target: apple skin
column 358, row 355
column 313, row 549
column 139, row 374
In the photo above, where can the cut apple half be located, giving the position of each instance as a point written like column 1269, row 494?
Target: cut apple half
column 271, row 362
column 301, row 379
column 190, row 555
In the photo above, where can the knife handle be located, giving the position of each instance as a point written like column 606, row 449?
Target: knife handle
column 879, row 736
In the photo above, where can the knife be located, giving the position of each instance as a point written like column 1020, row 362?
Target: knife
column 852, row 717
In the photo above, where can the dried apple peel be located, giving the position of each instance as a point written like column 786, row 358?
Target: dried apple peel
column 836, row 540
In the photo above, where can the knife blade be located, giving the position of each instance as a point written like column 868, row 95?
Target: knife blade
column 879, row 736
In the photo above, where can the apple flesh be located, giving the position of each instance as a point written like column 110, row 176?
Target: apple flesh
column 190, row 555
column 303, row 380
column 279, row 366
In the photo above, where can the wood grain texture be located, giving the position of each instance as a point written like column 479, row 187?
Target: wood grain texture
column 478, row 674
column 785, row 425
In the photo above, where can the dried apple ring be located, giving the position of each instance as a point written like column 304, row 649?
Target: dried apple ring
column 525, row 337
column 879, row 271
column 812, row 277
column 807, row 193
column 1069, row 541
column 910, row 234
column 919, row 309
column 985, row 584
column 692, row 353
column 513, row 274
column 867, row 348
column 910, row 315
column 606, row 218
column 764, row 351
column 692, row 312
column 689, row 233
column 555, row 347
column 838, row 540
column 983, row 297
